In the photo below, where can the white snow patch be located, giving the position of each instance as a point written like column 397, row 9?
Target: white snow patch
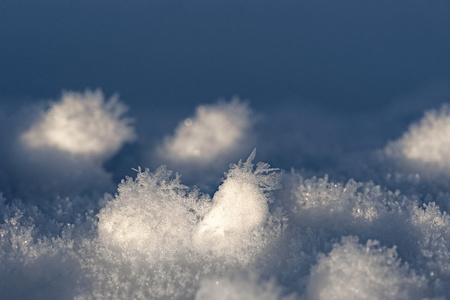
column 152, row 215
column 215, row 132
column 157, row 216
column 240, row 209
column 82, row 124
column 355, row 271
column 426, row 143
column 164, row 237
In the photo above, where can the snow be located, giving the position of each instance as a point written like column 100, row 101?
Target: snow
column 288, row 150
column 265, row 233
column 152, row 215
column 157, row 217
column 60, row 151
column 239, row 286
column 239, row 210
column 423, row 149
column 355, row 271
column 427, row 141
column 216, row 132
column 82, row 124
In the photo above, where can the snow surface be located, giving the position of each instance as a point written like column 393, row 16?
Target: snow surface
column 158, row 194
column 265, row 233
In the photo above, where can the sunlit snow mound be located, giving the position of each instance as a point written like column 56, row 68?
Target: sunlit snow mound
column 164, row 237
column 157, row 217
column 240, row 213
column 82, row 124
column 320, row 211
column 216, row 132
column 61, row 152
column 355, row 271
column 425, row 146
column 153, row 215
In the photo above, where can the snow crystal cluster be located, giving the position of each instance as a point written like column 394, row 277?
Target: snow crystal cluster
column 215, row 133
column 264, row 233
column 355, row 271
column 158, row 217
column 82, row 124
column 425, row 145
column 61, row 150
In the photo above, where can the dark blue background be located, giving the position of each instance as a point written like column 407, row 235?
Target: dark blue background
column 329, row 76
column 352, row 54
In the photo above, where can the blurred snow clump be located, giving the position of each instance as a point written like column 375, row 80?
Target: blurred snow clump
column 426, row 143
column 82, row 124
column 355, row 271
column 216, row 131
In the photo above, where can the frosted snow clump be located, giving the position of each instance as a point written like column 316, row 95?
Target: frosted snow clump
column 216, row 132
column 156, row 230
column 239, row 217
column 158, row 217
column 425, row 145
column 153, row 215
column 82, row 124
column 355, row 271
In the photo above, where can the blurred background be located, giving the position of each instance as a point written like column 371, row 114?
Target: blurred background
column 326, row 78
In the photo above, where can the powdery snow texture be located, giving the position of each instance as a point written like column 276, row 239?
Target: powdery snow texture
column 264, row 233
